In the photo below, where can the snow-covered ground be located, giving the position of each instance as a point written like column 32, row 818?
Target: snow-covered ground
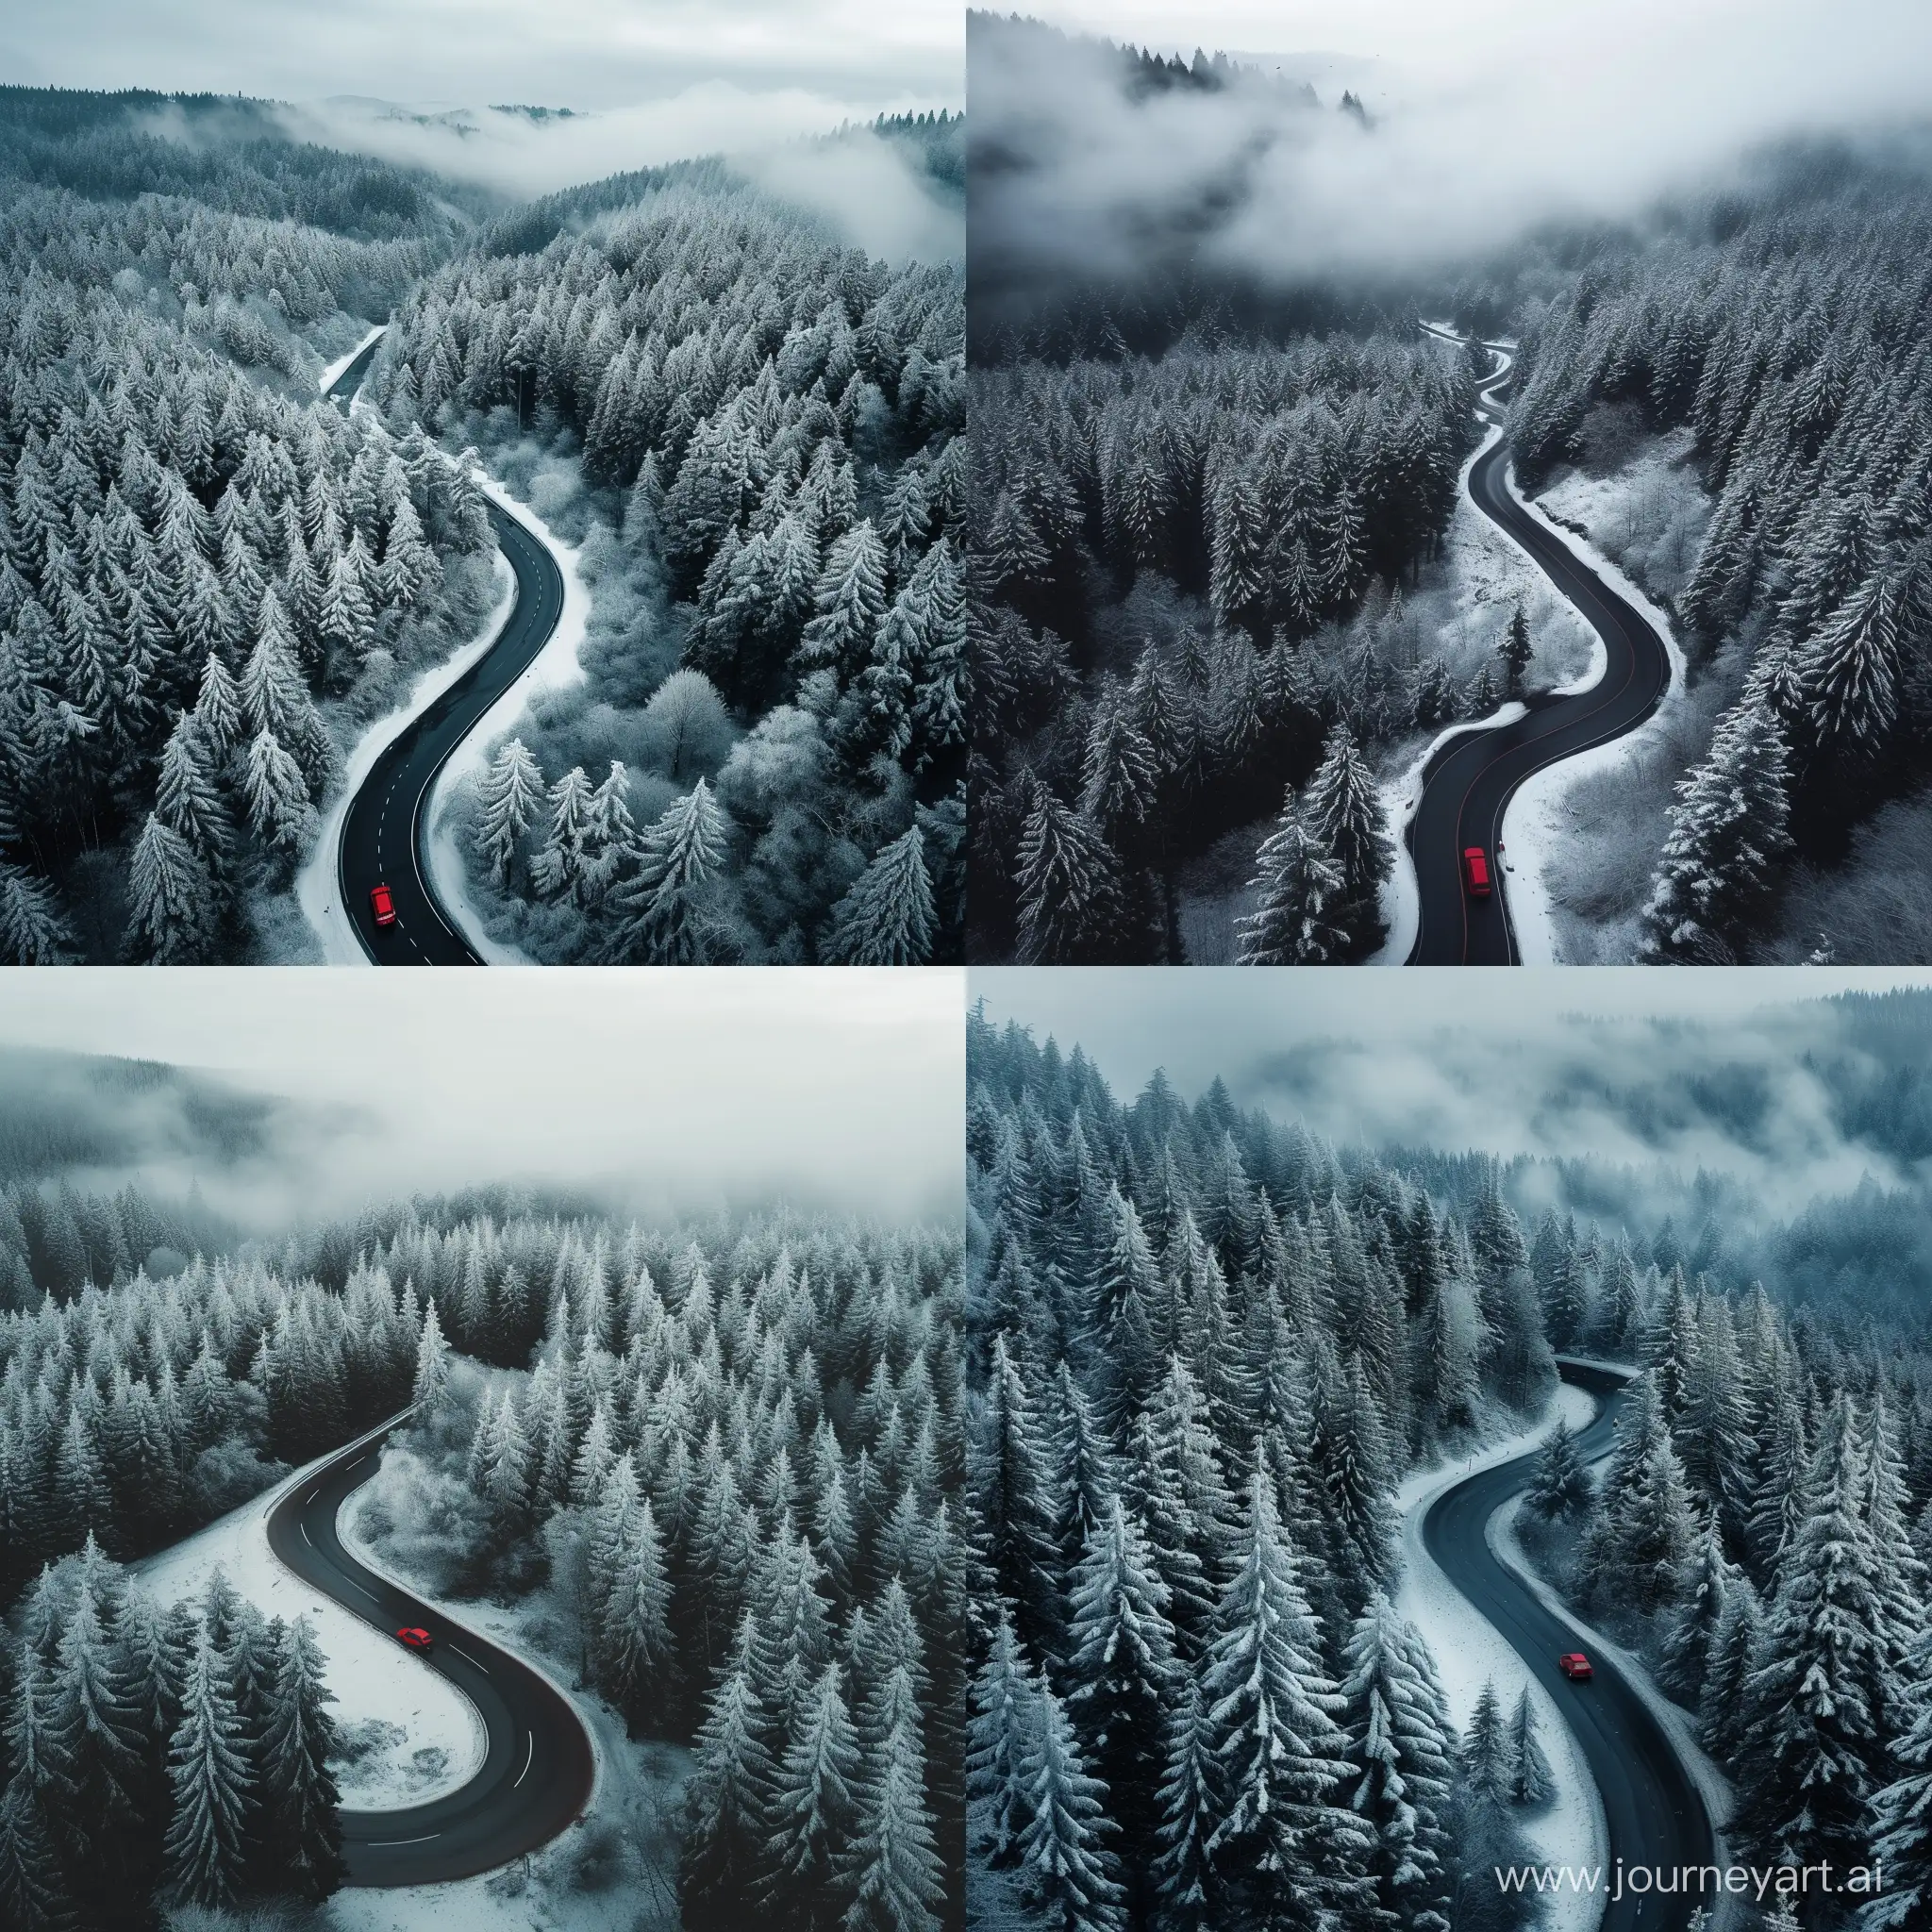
column 317, row 885
column 423, row 1735
column 1716, row 1790
column 1471, row 1652
column 1401, row 898
column 613, row 1870
column 1649, row 512
column 1468, row 596
column 1539, row 820
column 334, row 370
column 557, row 664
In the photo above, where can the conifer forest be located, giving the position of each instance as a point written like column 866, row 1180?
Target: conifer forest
column 916, row 1420
column 672, row 1501
column 1249, row 601
column 217, row 583
column 1227, row 1372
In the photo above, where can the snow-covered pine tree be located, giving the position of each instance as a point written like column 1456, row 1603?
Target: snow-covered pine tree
column 1728, row 842
column 666, row 914
column 893, row 1880
column 1902, row 1815
column 1283, row 1833
column 187, row 799
column 1704, row 1602
column 208, row 1779
column 1812, row 1759
column 172, row 900
column 1515, row 653
column 431, row 1385
column 851, row 599
column 1850, row 674
column 1346, row 814
column 33, row 931
column 508, row 799
column 1402, row 1754
column 1301, row 889
column 1486, row 1767
column 1121, row 1668
column 276, row 797
column 1072, row 908
column 305, row 1835
column 723, row 1869
column 1559, row 1485
column 559, row 868
column 1071, row 1876
column 1531, row 1781
column 1000, row 1743
column 1183, row 1872
column 813, row 1810
column 887, row 915
column 1126, row 1292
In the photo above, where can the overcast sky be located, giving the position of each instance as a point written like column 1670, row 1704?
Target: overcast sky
column 1565, row 1061
column 661, row 80
column 1491, row 115
column 466, row 53
column 847, row 1083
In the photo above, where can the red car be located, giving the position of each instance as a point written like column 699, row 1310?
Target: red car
column 1475, row 871
column 1575, row 1666
column 382, row 904
column 416, row 1640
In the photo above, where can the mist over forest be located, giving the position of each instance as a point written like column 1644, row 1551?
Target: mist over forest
column 1233, row 586
column 1789, row 1143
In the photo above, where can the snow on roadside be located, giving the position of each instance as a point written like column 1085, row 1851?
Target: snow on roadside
column 1401, row 897
column 333, row 373
column 637, row 1792
column 556, row 666
column 317, row 885
column 1482, row 576
column 426, row 1737
column 488, row 1620
column 1536, row 818
column 1470, row 1651
column 1712, row 1783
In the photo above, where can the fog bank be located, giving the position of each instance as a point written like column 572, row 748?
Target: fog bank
column 841, row 1087
column 1521, row 114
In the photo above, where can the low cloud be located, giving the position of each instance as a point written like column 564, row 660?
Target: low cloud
column 1535, row 113
column 1654, row 1074
column 866, row 188
column 842, row 1088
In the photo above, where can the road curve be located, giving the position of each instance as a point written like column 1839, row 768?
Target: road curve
column 538, row 1767
column 385, row 828
column 1655, row 1811
column 1468, row 784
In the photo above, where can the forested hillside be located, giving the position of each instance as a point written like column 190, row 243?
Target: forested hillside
column 765, row 761
column 736, row 1465
column 1762, row 1534
column 730, row 1455
column 206, row 574
column 1786, row 327
column 1165, row 555
column 1204, row 1348
column 1202, row 499
column 159, row 1754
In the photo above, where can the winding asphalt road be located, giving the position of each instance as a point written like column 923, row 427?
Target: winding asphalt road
column 1469, row 783
column 385, row 830
column 538, row 1767
column 1655, row 1811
